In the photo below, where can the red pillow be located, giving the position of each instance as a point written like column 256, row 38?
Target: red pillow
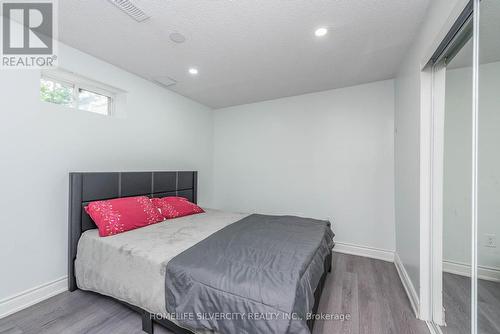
column 174, row 207
column 123, row 214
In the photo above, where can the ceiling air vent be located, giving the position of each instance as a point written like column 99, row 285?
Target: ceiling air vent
column 164, row 81
column 131, row 10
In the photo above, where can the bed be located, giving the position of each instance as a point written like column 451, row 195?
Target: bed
column 153, row 269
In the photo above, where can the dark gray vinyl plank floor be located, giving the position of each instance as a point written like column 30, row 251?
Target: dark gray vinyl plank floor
column 368, row 290
column 457, row 300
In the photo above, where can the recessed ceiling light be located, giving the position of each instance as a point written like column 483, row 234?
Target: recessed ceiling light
column 177, row 37
column 193, row 71
column 320, row 32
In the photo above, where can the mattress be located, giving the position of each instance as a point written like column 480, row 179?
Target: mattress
column 131, row 266
column 266, row 265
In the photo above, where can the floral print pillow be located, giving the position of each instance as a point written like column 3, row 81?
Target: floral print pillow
column 123, row 214
column 175, row 207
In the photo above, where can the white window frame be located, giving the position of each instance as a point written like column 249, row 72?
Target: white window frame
column 96, row 90
column 80, row 83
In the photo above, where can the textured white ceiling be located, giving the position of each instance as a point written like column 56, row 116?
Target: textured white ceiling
column 248, row 50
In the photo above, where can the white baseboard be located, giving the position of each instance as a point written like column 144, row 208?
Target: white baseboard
column 374, row 253
column 408, row 285
column 463, row 269
column 32, row 296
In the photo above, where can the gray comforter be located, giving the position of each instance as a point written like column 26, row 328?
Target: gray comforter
column 257, row 275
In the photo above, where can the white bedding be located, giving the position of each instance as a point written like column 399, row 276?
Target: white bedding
column 131, row 266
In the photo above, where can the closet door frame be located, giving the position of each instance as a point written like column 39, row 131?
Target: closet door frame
column 475, row 150
column 433, row 80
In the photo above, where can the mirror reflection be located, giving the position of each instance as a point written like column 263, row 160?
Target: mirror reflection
column 488, row 303
column 457, row 187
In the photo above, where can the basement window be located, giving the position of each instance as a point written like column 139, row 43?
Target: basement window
column 94, row 102
column 57, row 92
column 72, row 91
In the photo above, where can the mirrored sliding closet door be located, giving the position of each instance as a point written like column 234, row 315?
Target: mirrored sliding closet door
column 488, row 170
column 457, row 183
column 469, row 68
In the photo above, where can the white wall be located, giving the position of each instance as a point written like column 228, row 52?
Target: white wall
column 407, row 139
column 327, row 155
column 457, row 186
column 42, row 142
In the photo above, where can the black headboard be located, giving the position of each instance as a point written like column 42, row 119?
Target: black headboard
column 88, row 187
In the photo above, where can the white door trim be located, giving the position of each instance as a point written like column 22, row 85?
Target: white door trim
column 437, row 178
column 426, row 195
column 431, row 193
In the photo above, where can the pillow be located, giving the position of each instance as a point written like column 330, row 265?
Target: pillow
column 123, row 214
column 174, row 207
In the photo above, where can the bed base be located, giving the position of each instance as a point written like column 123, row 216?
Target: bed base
column 148, row 319
column 87, row 187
